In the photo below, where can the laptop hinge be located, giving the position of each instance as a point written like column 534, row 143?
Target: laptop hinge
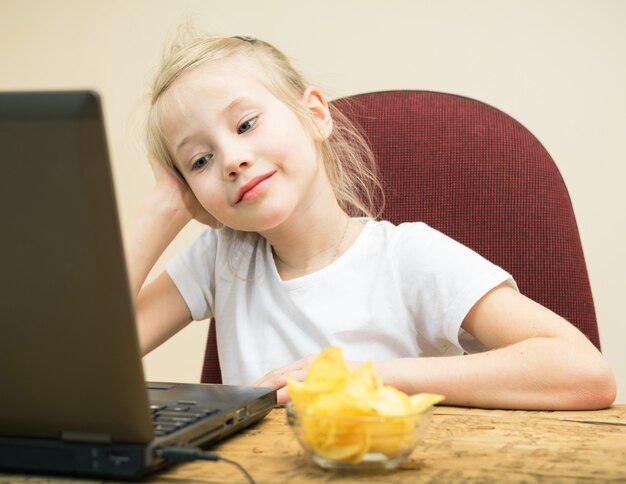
column 89, row 437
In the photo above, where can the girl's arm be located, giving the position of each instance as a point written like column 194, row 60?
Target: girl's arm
column 538, row 361
column 159, row 306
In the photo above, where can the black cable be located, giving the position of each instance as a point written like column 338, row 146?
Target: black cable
column 241, row 468
column 188, row 454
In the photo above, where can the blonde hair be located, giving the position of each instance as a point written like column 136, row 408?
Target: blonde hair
column 349, row 162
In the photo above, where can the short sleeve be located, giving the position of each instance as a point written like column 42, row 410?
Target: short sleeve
column 443, row 280
column 193, row 272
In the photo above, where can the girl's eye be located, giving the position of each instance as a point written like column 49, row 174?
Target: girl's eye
column 201, row 162
column 246, row 125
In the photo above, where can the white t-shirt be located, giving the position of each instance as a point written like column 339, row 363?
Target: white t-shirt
column 398, row 291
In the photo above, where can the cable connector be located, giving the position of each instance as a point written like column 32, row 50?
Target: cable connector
column 185, row 454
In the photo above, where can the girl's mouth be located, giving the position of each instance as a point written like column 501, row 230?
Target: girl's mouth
column 249, row 189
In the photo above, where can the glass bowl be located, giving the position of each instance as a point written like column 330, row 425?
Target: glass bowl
column 358, row 443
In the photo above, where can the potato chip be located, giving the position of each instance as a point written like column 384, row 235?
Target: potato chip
column 328, row 372
column 362, row 383
column 389, row 401
column 422, row 401
column 331, row 399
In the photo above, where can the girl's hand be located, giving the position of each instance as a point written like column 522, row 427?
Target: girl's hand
column 176, row 197
column 298, row 369
column 278, row 378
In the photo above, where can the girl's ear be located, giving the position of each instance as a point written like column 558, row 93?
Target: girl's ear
column 316, row 103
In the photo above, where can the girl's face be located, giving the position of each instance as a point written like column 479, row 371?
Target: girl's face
column 245, row 155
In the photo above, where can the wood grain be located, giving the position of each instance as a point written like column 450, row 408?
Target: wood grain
column 461, row 445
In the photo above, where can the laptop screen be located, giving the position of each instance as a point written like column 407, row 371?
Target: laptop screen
column 68, row 346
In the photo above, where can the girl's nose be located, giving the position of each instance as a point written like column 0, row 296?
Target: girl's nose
column 235, row 166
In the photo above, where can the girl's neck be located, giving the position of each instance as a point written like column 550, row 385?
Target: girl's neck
column 313, row 243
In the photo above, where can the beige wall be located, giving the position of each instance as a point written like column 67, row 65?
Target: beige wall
column 558, row 66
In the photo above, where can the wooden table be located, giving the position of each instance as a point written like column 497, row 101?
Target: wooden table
column 461, row 445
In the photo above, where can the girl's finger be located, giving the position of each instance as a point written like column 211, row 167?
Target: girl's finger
column 282, row 396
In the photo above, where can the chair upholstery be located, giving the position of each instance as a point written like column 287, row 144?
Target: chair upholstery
column 477, row 175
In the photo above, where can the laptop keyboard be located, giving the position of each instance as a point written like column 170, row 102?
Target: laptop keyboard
column 171, row 417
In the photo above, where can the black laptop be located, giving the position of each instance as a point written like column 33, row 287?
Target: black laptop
column 73, row 399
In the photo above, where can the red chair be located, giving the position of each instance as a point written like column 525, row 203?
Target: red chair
column 477, row 175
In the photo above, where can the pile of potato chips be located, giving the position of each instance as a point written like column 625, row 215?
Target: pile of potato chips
column 331, row 400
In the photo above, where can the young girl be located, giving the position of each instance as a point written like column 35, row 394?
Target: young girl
column 294, row 260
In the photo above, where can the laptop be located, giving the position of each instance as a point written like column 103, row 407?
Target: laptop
column 73, row 398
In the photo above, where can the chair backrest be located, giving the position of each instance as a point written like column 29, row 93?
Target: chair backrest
column 477, row 175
